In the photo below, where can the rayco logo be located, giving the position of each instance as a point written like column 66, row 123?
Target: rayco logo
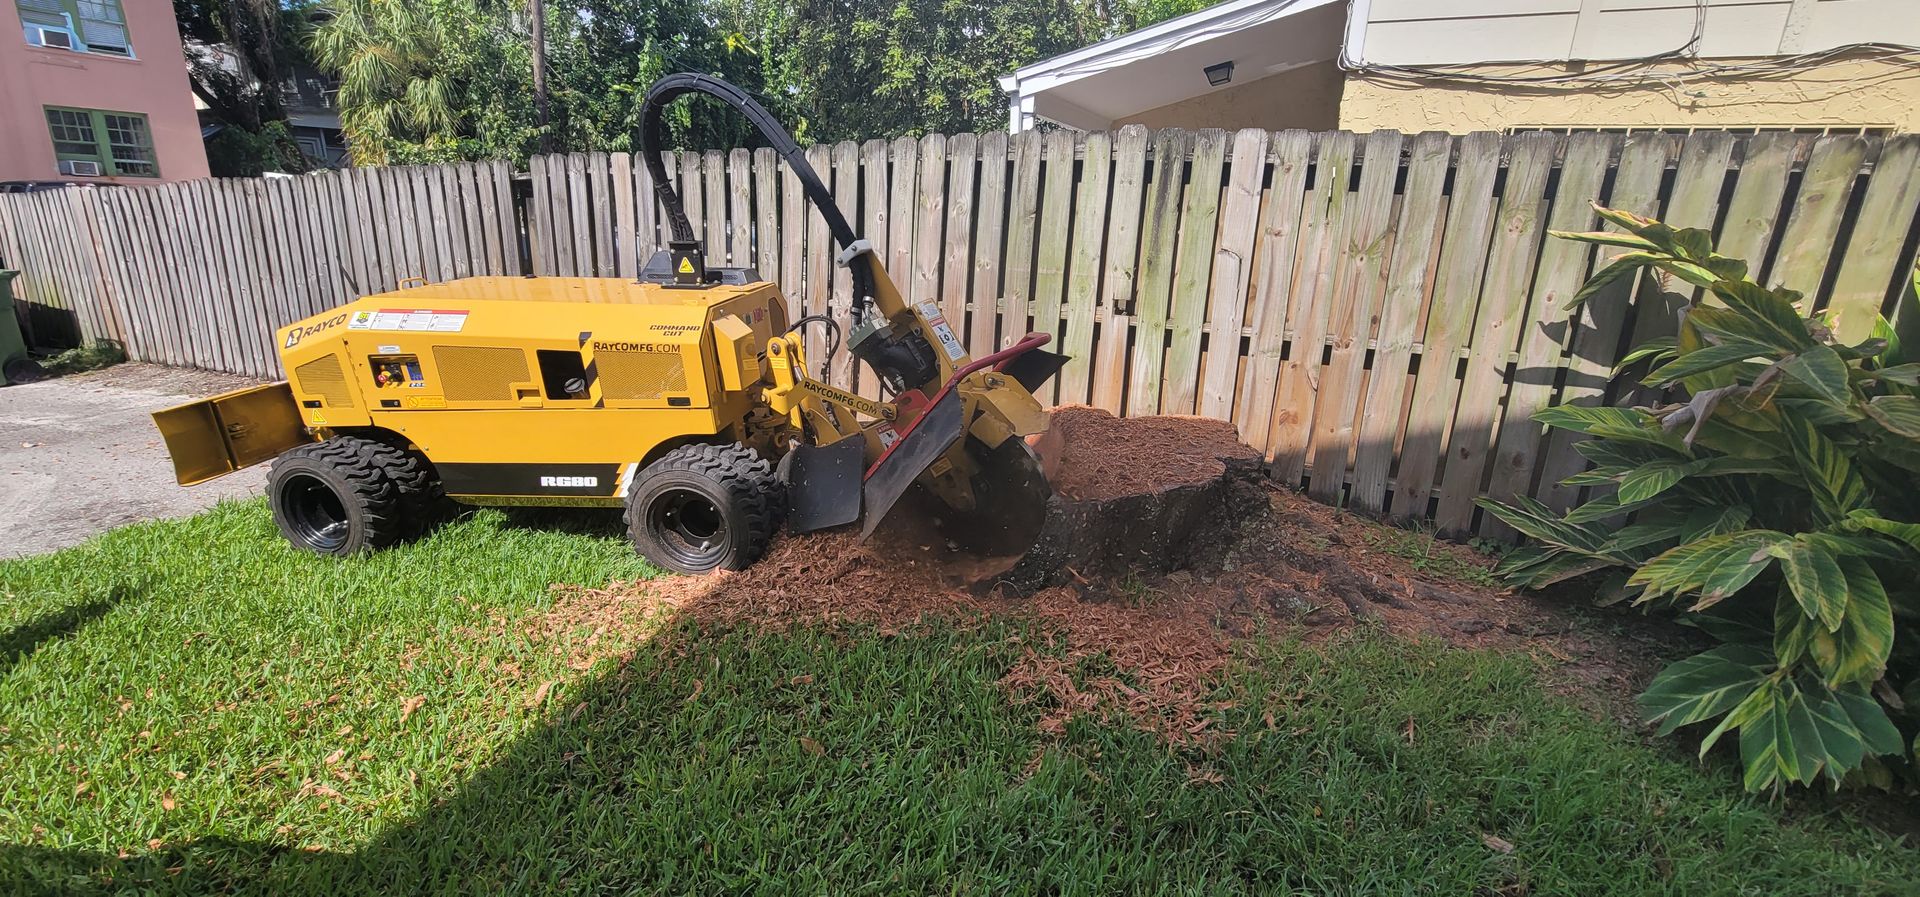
column 570, row 482
column 606, row 346
column 297, row 334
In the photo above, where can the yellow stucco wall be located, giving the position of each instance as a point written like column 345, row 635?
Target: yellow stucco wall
column 1306, row 97
column 1846, row 94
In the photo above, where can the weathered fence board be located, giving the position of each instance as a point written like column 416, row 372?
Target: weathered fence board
column 1193, row 268
column 1448, row 332
column 1317, row 279
column 1381, row 315
column 1054, row 235
column 956, row 264
column 990, row 223
column 1080, row 304
column 1886, row 215
column 1110, row 353
column 1409, row 280
column 1277, row 248
column 1562, row 268
column 1023, row 216
column 1352, row 313
column 1595, row 334
column 1149, row 306
column 846, row 194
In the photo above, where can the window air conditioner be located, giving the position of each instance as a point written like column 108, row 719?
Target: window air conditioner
column 42, row 36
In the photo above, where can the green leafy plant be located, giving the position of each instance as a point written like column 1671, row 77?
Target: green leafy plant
column 100, row 353
column 1773, row 503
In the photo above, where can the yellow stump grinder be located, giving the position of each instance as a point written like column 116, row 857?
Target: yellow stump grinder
column 684, row 397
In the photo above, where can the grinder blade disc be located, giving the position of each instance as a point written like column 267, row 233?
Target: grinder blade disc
column 980, row 543
column 1010, row 502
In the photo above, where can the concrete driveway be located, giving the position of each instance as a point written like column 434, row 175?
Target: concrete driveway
column 79, row 456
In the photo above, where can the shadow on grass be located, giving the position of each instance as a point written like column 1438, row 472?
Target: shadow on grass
column 834, row 761
column 19, row 643
column 577, row 521
column 688, row 769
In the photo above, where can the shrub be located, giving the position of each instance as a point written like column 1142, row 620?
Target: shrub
column 1773, row 503
column 93, row 356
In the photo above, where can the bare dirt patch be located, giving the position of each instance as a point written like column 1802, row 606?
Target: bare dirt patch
column 1148, row 645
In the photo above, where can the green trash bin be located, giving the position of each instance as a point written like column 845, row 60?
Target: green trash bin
column 15, row 366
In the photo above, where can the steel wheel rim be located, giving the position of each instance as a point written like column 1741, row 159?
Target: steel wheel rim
column 314, row 512
column 690, row 527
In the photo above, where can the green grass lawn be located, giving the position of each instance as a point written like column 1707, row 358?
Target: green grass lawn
column 191, row 707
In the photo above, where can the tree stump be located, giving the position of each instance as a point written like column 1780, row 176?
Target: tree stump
column 1134, row 495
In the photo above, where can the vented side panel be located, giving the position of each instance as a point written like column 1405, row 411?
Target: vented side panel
column 469, row 374
column 322, row 377
column 640, row 375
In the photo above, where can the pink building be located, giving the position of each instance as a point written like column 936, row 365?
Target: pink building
column 95, row 91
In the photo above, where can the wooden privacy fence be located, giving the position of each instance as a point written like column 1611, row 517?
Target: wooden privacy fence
column 200, row 273
column 1380, row 313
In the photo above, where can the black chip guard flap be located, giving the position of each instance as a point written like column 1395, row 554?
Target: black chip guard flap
column 930, row 438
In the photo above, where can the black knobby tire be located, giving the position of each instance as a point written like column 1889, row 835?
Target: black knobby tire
column 704, row 507
column 423, row 499
column 337, row 497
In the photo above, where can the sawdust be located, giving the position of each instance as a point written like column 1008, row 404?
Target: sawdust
column 1148, row 650
column 1090, row 455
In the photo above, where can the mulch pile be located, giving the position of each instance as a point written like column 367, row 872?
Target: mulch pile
column 1165, row 639
column 1090, row 455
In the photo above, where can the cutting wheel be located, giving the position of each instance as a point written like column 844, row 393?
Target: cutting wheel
column 1010, row 506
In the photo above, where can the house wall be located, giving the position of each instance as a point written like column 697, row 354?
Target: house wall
column 1306, row 97
column 1435, row 32
column 154, row 83
column 1847, row 94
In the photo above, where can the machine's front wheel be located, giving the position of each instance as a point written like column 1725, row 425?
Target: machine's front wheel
column 337, row 497
column 704, row 507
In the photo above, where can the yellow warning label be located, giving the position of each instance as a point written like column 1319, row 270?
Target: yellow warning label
column 426, row 402
column 686, row 265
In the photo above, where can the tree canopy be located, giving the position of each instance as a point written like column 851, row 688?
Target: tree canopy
column 238, row 53
column 436, row 80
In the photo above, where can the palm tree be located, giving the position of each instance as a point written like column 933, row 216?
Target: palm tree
column 387, row 55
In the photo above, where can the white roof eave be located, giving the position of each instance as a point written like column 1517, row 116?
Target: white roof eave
column 1191, row 28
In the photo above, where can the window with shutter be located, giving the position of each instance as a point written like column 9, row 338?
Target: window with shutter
column 89, row 26
column 52, row 13
column 103, row 26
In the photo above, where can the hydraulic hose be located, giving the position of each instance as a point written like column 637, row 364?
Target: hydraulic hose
column 673, row 87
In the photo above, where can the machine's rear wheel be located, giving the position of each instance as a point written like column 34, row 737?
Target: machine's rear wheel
column 423, row 499
column 704, row 507
column 337, row 497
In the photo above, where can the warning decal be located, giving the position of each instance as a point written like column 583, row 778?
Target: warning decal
column 412, row 319
column 931, row 312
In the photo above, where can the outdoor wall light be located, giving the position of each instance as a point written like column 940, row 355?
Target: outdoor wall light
column 1219, row 73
